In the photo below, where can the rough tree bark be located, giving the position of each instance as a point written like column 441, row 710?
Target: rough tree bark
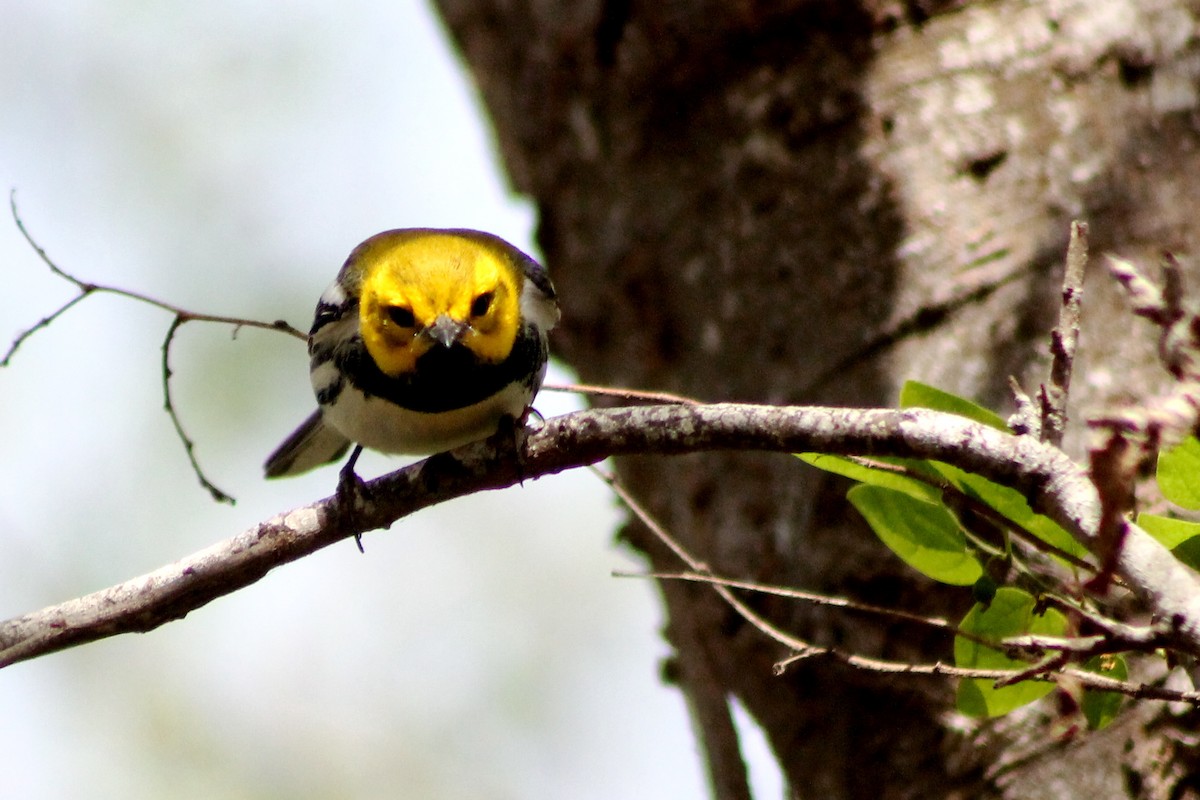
column 803, row 201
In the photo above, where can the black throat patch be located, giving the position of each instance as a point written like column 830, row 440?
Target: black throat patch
column 445, row 378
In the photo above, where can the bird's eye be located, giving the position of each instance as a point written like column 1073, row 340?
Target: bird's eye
column 401, row 316
column 481, row 304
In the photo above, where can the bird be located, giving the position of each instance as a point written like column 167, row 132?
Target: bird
column 428, row 339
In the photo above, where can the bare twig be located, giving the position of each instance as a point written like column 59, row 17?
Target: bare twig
column 708, row 700
column 179, row 317
column 1078, row 647
column 189, row 446
column 793, row 643
column 1116, row 637
column 623, row 394
column 642, row 514
column 1064, row 339
column 1084, row 678
column 85, row 288
column 1052, row 668
column 41, row 323
column 811, row 597
column 798, row 594
column 1049, row 665
column 1160, row 634
column 1049, row 668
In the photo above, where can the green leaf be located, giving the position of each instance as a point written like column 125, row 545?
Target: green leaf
column 1181, row 536
column 1101, row 708
column 915, row 394
column 1189, row 552
column 1179, row 473
column 926, row 536
column 875, row 477
column 1007, row 502
column 1009, row 614
column 984, row 590
column 1011, row 505
column 1169, row 532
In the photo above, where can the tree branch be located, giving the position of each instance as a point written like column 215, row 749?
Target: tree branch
column 1055, row 485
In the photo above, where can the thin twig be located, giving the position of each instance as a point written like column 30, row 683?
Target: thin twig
column 37, row 326
column 709, row 702
column 1117, row 637
column 1048, row 669
column 642, row 514
column 180, row 316
column 1064, row 339
column 1047, row 666
column 1130, row 637
column 85, row 288
column 1016, row 529
column 623, row 394
column 1079, row 648
column 817, row 599
column 793, row 643
column 189, row 446
column 797, row 594
column 1084, row 678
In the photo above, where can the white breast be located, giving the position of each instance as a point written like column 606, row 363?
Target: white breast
column 380, row 425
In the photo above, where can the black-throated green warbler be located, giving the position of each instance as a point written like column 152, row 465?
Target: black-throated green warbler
column 426, row 341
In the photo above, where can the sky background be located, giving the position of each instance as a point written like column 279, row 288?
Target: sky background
column 226, row 157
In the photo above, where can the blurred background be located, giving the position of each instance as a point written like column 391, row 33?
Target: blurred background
column 226, row 157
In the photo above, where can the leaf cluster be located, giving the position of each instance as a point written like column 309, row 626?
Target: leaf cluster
column 964, row 530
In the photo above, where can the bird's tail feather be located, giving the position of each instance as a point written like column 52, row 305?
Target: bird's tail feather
column 312, row 444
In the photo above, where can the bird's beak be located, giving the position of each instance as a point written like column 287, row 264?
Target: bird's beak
column 444, row 330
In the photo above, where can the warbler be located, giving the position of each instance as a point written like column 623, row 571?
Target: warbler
column 426, row 341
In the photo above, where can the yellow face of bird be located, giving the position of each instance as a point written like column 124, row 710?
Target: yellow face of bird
column 427, row 289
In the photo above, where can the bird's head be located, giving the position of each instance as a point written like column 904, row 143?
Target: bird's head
column 423, row 289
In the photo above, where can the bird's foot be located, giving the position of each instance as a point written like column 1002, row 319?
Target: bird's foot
column 352, row 493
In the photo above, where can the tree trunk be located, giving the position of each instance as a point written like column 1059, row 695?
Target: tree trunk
column 808, row 202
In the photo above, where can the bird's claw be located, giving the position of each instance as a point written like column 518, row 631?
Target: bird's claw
column 352, row 493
